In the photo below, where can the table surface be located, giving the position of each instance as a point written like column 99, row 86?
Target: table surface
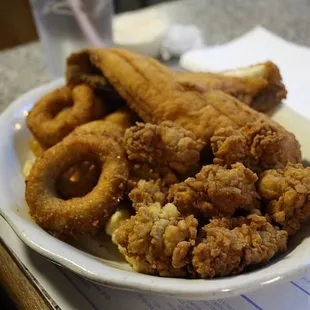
column 23, row 68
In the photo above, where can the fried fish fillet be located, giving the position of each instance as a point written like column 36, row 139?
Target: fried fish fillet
column 259, row 86
column 153, row 92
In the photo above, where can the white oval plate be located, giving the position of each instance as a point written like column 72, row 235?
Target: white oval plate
column 106, row 266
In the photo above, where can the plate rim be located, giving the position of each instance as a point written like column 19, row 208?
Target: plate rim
column 131, row 281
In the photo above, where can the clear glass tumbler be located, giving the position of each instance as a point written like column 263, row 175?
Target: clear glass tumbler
column 65, row 26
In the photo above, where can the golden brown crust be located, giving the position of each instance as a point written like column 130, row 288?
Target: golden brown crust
column 143, row 171
column 275, row 91
column 81, row 178
column 163, row 145
column 82, row 214
column 230, row 245
column 259, row 145
column 84, row 107
column 244, row 89
column 287, row 195
column 81, row 71
column 216, row 191
column 157, row 240
column 259, row 86
column 113, row 124
column 148, row 192
column 268, row 97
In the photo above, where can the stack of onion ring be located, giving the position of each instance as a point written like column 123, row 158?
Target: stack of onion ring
column 81, row 169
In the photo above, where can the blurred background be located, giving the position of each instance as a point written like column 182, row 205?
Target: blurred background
column 17, row 24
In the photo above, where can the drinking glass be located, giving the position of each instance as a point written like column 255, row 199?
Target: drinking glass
column 65, row 26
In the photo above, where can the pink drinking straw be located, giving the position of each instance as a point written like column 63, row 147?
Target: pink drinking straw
column 86, row 26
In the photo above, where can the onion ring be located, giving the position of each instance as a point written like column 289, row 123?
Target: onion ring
column 113, row 124
column 84, row 106
column 81, row 214
column 38, row 148
column 81, row 178
column 77, row 181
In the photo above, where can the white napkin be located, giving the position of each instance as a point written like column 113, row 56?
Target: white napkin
column 260, row 45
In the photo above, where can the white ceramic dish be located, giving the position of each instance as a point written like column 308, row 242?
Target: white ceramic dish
column 106, row 266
